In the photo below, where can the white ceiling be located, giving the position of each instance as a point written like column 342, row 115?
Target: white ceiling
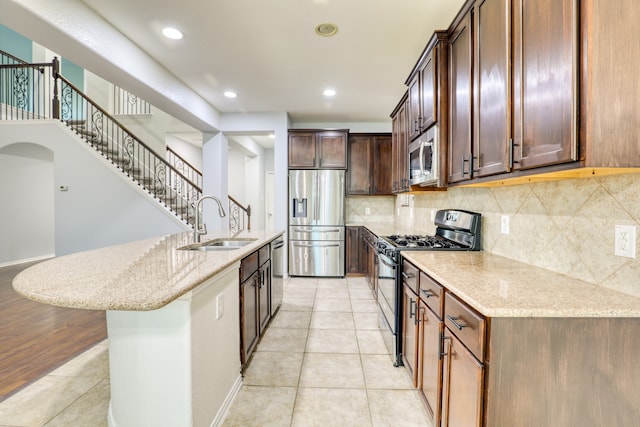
column 268, row 53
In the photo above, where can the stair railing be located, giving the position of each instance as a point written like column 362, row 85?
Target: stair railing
column 39, row 91
column 186, row 168
column 237, row 214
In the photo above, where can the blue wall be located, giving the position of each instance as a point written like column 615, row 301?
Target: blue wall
column 15, row 44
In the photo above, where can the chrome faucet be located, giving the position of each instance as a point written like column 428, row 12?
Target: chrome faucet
column 200, row 229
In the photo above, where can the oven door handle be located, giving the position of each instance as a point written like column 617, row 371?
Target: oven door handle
column 382, row 260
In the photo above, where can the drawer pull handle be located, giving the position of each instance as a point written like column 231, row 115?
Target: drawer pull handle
column 407, row 276
column 454, row 320
column 428, row 293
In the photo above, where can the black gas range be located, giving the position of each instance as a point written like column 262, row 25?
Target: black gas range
column 456, row 230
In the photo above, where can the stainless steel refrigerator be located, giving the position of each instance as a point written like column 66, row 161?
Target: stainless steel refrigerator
column 316, row 223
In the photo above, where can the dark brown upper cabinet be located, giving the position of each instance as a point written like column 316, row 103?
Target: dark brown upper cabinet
column 318, row 149
column 400, row 147
column 370, row 164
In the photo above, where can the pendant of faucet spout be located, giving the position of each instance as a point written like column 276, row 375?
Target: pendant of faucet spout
column 198, row 228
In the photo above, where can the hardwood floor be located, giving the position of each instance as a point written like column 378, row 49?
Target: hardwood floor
column 37, row 338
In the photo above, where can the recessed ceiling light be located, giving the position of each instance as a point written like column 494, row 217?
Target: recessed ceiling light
column 329, row 92
column 172, row 33
column 326, row 29
column 230, row 94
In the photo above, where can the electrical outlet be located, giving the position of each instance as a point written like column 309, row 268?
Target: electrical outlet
column 625, row 241
column 504, row 224
column 219, row 306
column 367, row 211
column 433, row 215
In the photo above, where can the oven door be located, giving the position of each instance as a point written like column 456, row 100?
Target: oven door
column 387, row 303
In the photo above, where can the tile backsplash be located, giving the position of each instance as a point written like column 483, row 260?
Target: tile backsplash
column 362, row 209
column 566, row 226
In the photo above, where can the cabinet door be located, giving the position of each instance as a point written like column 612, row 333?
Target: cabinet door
column 332, row 149
column 360, row 161
column 492, row 121
column 461, row 385
column 264, row 296
column 409, row 332
column 545, row 81
column 352, row 245
column 413, row 113
column 460, row 100
column 428, row 77
column 302, row 149
column 430, row 362
column 382, row 156
column 249, row 307
column 399, row 153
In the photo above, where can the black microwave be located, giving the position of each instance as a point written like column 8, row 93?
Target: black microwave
column 423, row 159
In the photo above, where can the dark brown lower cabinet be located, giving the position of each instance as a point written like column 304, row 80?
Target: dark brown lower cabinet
column 249, row 315
column 461, row 386
column 429, row 361
column 352, row 252
column 255, row 299
column 410, row 332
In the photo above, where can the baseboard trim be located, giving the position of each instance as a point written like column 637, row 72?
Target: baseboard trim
column 224, row 409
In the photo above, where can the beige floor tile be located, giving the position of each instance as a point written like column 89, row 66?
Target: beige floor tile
column 364, row 306
column 332, row 293
column 379, row 373
column 328, row 320
column 297, row 304
column 42, row 400
column 274, row 369
column 332, row 341
column 371, row 342
column 361, row 294
column 324, row 407
column 397, row 408
column 301, row 282
column 283, row 340
column 93, row 363
column 332, row 283
column 367, row 321
column 337, row 305
column 357, row 281
column 331, row 370
column 89, row 410
column 262, row 406
column 299, row 293
column 291, row 320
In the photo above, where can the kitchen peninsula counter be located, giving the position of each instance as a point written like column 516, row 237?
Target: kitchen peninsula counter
column 138, row 276
column 173, row 322
column 501, row 287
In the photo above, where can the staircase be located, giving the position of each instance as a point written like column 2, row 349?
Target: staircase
column 39, row 91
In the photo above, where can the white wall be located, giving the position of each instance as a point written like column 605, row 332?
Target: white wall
column 27, row 214
column 101, row 207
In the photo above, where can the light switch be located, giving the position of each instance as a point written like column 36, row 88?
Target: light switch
column 219, row 306
column 504, row 224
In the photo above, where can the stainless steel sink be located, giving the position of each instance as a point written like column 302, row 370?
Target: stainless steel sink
column 222, row 244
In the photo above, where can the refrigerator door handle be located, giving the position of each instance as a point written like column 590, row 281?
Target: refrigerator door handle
column 317, row 244
column 311, row 230
column 317, row 214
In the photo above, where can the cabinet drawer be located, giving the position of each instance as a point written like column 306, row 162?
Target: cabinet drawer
column 410, row 275
column 248, row 266
column 466, row 324
column 264, row 254
column 431, row 293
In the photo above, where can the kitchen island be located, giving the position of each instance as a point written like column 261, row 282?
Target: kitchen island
column 172, row 321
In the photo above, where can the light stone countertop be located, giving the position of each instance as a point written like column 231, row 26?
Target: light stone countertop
column 138, row 276
column 501, row 287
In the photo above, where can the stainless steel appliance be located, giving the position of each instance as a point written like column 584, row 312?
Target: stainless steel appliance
column 456, row 230
column 316, row 223
column 423, row 159
column 277, row 273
